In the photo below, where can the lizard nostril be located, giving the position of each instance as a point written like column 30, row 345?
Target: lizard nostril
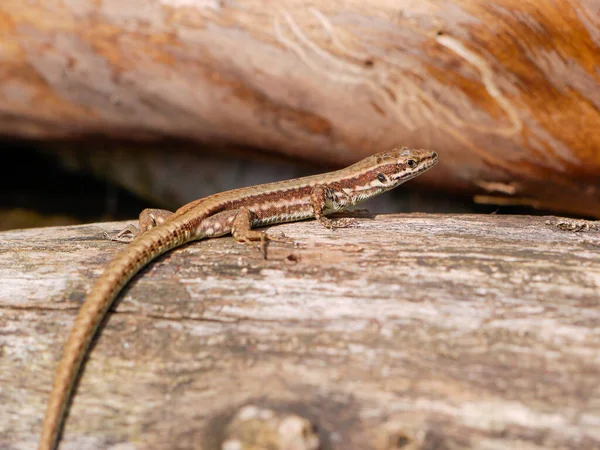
column 434, row 154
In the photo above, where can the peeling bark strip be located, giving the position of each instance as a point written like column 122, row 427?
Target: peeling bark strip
column 506, row 91
column 435, row 331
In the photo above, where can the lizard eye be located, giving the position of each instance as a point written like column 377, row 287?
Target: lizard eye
column 381, row 177
column 411, row 163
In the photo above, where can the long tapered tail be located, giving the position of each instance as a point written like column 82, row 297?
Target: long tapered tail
column 147, row 247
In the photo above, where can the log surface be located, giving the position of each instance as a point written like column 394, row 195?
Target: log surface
column 405, row 331
column 506, row 91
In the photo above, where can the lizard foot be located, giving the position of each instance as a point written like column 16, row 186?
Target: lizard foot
column 126, row 235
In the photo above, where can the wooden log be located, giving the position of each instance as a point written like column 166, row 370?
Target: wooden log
column 405, row 331
column 505, row 90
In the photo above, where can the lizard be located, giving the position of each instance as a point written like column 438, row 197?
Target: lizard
column 233, row 212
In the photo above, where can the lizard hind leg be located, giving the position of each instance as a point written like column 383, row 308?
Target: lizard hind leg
column 148, row 219
column 241, row 228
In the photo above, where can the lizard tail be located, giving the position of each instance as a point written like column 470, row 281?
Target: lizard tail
column 126, row 264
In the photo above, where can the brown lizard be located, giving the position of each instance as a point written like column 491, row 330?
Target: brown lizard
column 233, row 212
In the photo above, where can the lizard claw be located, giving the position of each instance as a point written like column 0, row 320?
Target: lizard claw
column 343, row 223
column 126, row 235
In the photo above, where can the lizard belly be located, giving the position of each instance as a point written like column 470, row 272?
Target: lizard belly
column 298, row 212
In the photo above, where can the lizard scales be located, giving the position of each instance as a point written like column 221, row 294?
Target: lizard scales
column 233, row 212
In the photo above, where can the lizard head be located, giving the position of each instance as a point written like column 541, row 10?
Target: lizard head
column 401, row 164
column 384, row 171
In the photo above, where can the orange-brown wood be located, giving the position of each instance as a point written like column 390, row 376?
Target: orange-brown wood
column 507, row 91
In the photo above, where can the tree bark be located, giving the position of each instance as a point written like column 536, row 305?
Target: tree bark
column 404, row 331
column 506, row 91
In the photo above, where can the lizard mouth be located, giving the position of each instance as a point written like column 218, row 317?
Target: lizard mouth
column 424, row 166
column 429, row 163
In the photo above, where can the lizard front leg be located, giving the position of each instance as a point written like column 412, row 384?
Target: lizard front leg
column 324, row 198
column 148, row 219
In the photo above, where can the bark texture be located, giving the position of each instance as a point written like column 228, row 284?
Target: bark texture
column 507, row 91
column 403, row 332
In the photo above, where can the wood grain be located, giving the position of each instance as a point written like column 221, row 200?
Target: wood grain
column 406, row 331
column 506, row 91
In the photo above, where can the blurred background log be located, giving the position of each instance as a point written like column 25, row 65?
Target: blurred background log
column 507, row 91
